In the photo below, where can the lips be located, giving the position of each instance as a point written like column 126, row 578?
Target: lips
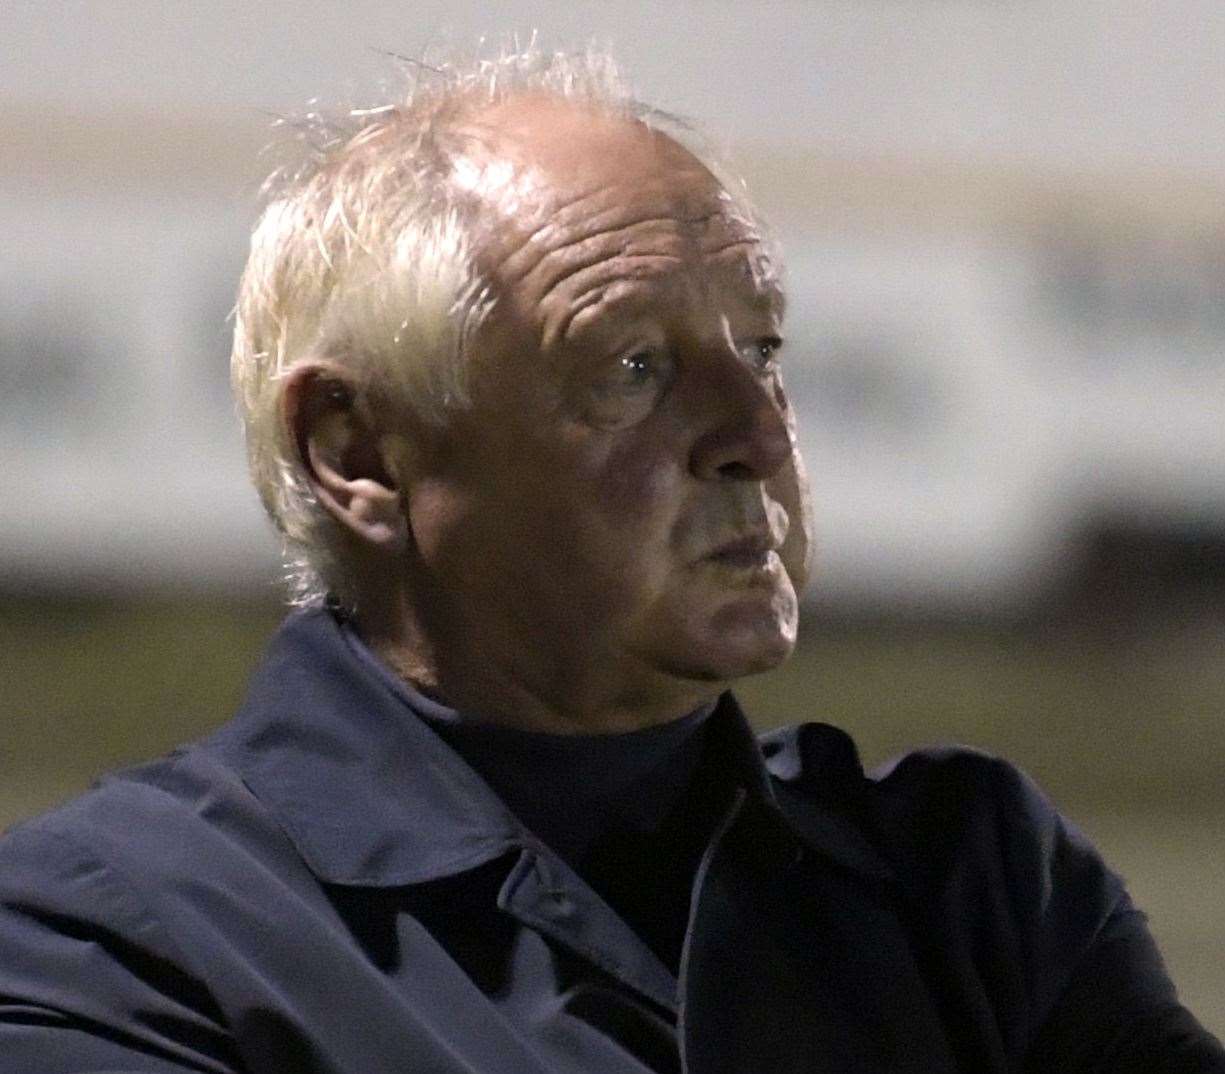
column 753, row 550
column 743, row 533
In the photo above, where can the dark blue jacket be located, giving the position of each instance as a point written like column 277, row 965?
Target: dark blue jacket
column 324, row 886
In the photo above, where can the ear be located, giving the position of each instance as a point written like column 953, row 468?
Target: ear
column 341, row 451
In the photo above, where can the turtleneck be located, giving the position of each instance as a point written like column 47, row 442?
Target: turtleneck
column 569, row 790
column 629, row 811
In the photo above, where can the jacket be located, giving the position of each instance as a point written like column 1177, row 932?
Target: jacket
column 324, row 886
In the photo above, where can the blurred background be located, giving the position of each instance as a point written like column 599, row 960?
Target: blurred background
column 1005, row 229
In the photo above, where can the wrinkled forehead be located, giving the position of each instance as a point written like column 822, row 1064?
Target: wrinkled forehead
column 552, row 179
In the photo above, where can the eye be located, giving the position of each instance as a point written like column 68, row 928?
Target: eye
column 761, row 355
column 633, row 372
column 626, row 389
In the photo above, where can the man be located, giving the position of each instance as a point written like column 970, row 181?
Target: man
column 508, row 355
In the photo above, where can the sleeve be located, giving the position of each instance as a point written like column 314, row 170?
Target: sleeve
column 90, row 983
column 1101, row 998
column 1119, row 1013
column 1029, row 926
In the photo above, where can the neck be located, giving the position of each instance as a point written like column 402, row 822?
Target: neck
column 475, row 674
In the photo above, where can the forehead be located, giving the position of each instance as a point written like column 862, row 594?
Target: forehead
column 583, row 208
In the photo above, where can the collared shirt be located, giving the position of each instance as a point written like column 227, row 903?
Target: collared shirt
column 325, row 887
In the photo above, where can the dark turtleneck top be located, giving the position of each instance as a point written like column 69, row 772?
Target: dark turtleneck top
column 630, row 812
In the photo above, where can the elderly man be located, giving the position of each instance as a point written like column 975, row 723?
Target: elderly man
column 509, row 359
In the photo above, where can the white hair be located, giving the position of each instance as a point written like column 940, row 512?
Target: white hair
column 363, row 257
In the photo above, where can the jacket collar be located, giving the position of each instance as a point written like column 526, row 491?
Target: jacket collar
column 826, row 798
column 367, row 793
column 371, row 796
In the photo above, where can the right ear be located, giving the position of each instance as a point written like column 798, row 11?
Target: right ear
column 341, row 450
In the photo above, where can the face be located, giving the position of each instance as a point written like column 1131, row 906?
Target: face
column 623, row 511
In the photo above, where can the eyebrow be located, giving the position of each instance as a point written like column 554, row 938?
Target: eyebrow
column 621, row 296
column 768, row 289
column 623, row 301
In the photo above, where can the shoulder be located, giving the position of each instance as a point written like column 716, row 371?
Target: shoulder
column 144, row 849
column 949, row 794
column 819, row 760
column 942, row 815
column 115, row 912
column 934, row 785
column 994, row 880
column 143, row 811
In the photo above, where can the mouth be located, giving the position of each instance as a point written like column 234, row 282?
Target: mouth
column 755, row 552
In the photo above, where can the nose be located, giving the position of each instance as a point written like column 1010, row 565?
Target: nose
column 746, row 435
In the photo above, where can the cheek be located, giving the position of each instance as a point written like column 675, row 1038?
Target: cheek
column 791, row 489
column 638, row 487
column 438, row 512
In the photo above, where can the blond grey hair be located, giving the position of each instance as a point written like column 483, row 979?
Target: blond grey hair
column 364, row 257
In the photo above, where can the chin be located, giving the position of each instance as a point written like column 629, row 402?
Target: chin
column 741, row 638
